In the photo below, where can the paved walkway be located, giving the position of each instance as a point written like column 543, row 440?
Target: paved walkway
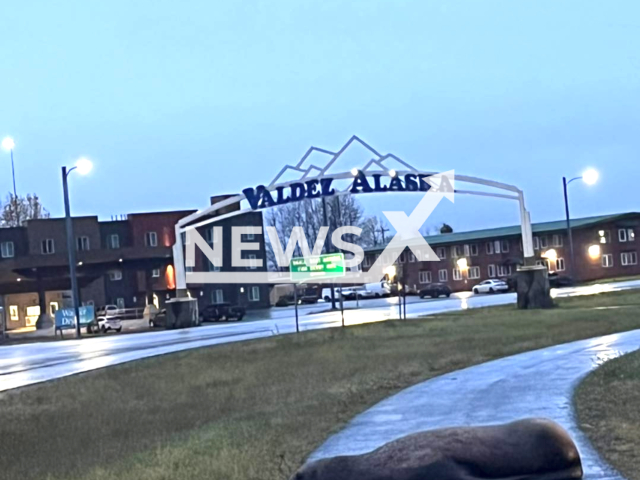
column 533, row 384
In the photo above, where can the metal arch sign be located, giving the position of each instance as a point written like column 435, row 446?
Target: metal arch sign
column 316, row 181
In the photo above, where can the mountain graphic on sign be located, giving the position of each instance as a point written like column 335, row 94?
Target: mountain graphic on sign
column 310, row 164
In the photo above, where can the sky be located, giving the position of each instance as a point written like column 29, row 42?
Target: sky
column 178, row 101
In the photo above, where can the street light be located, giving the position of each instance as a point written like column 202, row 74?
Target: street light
column 83, row 166
column 8, row 144
column 589, row 176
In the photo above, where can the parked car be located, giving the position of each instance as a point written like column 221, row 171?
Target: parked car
column 219, row 311
column 159, row 320
column 557, row 281
column 107, row 318
column 306, row 296
column 435, row 290
column 491, row 286
column 377, row 289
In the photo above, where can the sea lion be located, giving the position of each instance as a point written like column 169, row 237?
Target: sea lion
column 529, row 449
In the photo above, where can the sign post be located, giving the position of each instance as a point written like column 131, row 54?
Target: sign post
column 330, row 265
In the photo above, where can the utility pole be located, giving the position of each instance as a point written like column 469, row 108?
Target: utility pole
column 327, row 247
column 383, row 231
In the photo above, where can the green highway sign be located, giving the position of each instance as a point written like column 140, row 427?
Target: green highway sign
column 330, row 265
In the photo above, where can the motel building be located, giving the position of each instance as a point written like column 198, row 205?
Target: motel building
column 605, row 246
column 127, row 262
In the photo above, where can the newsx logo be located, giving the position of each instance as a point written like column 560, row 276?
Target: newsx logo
column 435, row 187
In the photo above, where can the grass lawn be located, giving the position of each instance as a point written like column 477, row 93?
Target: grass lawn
column 255, row 410
column 608, row 405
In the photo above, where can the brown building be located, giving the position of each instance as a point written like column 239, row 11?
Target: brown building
column 605, row 247
column 126, row 262
column 121, row 262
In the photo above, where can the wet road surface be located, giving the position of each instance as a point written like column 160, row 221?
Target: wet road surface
column 27, row 364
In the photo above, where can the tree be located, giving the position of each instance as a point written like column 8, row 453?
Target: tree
column 309, row 214
column 446, row 228
column 17, row 210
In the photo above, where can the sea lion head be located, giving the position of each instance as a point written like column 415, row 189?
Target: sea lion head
column 336, row 468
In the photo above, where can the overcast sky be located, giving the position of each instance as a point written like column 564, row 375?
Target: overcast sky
column 178, row 100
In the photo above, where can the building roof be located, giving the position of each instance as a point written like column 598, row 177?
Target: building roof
column 515, row 230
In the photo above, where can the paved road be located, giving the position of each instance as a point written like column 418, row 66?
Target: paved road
column 532, row 384
column 27, row 364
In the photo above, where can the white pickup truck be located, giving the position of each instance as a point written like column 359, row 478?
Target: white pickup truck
column 109, row 318
column 368, row 290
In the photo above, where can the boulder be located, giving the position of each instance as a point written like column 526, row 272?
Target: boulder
column 529, row 449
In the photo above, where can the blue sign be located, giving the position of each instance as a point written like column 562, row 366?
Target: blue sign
column 261, row 197
column 66, row 317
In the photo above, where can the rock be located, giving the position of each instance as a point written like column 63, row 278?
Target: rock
column 530, row 449
column 533, row 288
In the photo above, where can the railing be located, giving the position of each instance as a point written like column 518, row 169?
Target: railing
column 123, row 313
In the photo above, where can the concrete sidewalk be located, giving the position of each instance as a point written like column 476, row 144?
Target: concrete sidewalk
column 533, row 384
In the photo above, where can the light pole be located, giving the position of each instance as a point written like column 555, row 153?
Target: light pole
column 83, row 166
column 590, row 177
column 8, row 144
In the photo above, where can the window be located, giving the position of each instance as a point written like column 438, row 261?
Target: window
column 557, row 240
column 456, row 251
column 401, row 258
column 504, row 270
column 217, row 296
column 466, row 251
column 151, row 239
column 82, row 244
column 155, row 273
column 254, row 294
column 412, row 257
column 424, row 277
column 6, row 248
column 474, row 250
column 622, row 235
column 544, row 241
column 539, row 263
column 114, row 241
column 489, row 247
column 252, row 261
column 250, row 236
column 442, row 275
column 208, row 235
column 605, row 236
column 120, row 303
column 504, row 244
column 626, row 235
column 47, row 247
column 115, row 275
column 442, row 253
column 367, row 261
column 188, row 269
column 14, row 315
column 628, row 258
column 496, row 246
column 491, row 270
column 474, row 272
column 457, row 274
column 607, row 260
column 536, row 243
column 560, row 264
